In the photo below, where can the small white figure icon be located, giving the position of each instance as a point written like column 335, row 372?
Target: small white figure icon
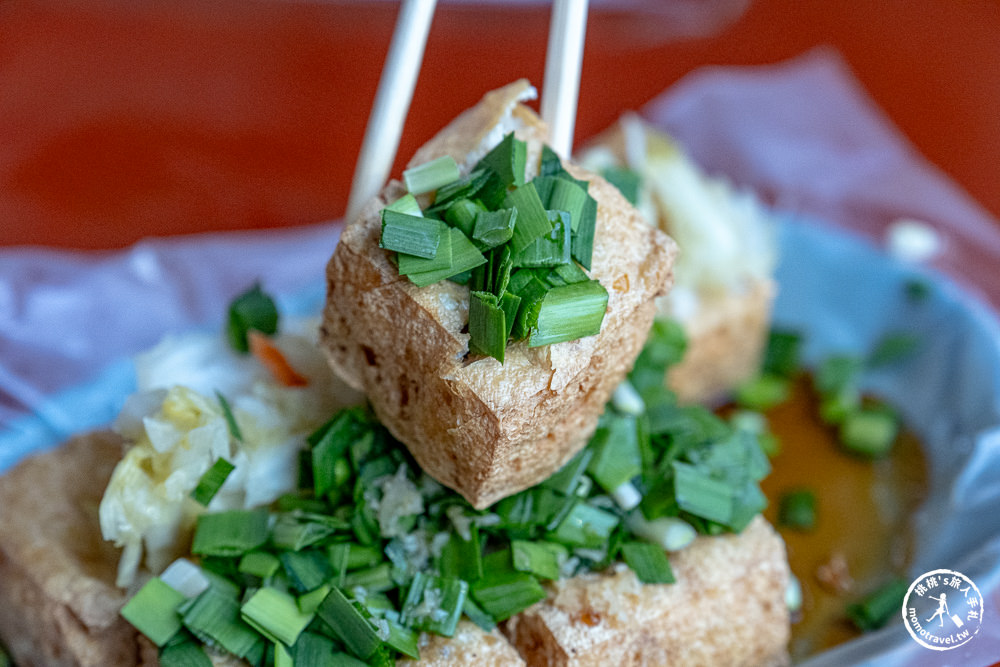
column 942, row 608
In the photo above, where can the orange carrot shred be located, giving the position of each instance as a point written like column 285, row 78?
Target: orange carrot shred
column 272, row 358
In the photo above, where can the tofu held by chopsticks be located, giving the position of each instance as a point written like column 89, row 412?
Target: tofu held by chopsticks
column 484, row 428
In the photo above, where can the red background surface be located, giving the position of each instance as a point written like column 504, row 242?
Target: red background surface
column 120, row 121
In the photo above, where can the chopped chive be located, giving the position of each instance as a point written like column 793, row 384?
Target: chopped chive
column 781, row 356
column 487, row 326
column 570, row 198
column 298, row 530
column 153, row 611
column 626, row 180
column 869, row 431
column 434, row 604
column 838, row 373
column 701, row 495
column 463, row 188
column 212, row 481
column 532, row 219
column 431, row 175
column 309, row 602
column 570, row 273
column 763, row 392
column 227, row 412
column 376, row 579
column 259, row 564
column 406, row 204
column 877, row 608
column 182, row 654
column 567, row 479
column 797, row 509
column 442, row 261
column 616, row 452
column 543, row 559
column 548, row 250
column 477, row 615
column 509, row 304
column 410, row 234
column 464, row 257
column 230, row 533
column 494, row 228
column 507, row 159
column 504, row 594
column 568, row 313
column 463, row 558
column 307, row 569
column 349, row 624
column 329, row 449
column 585, row 526
column 251, row 310
column 402, row 639
column 214, row 617
column 275, row 614
column 648, row 561
column 551, row 163
column 461, row 215
column 583, row 233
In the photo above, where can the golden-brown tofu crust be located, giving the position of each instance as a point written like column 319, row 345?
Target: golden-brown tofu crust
column 727, row 607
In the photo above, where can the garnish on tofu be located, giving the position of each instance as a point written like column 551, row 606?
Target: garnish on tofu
column 521, row 246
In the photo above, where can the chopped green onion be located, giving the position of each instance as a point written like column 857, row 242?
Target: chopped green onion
column 376, row 579
column 570, row 198
column 567, row 479
column 870, row 431
column 797, row 509
column 181, row 654
column 230, row 533
column 298, row 530
column 543, row 559
column 625, row 179
column 309, row 602
column 478, row 616
column 876, row 609
column 349, row 624
column 306, row 570
column 781, row 357
column 153, row 611
column 406, row 204
column 504, row 594
column 402, row 639
column 463, row 558
column 410, row 234
column 212, row 481
column 431, row 175
column 214, row 617
column 252, row 310
column 837, row 374
column 532, row 219
column 616, row 452
column 275, row 614
column 763, row 392
column 585, row 526
column 434, row 604
column 649, row 562
column 702, row 495
column 464, row 257
column 583, row 233
column 548, row 250
column 259, row 564
column 507, row 159
column 494, row 228
column 669, row 533
column 568, row 313
column 462, row 214
column 487, row 326
column 510, row 304
column 227, row 412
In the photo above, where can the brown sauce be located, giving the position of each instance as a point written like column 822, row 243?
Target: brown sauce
column 863, row 535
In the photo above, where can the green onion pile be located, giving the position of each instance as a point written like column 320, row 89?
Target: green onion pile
column 370, row 552
column 522, row 247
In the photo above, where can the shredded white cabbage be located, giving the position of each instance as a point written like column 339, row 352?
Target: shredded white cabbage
column 177, row 430
column 726, row 236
